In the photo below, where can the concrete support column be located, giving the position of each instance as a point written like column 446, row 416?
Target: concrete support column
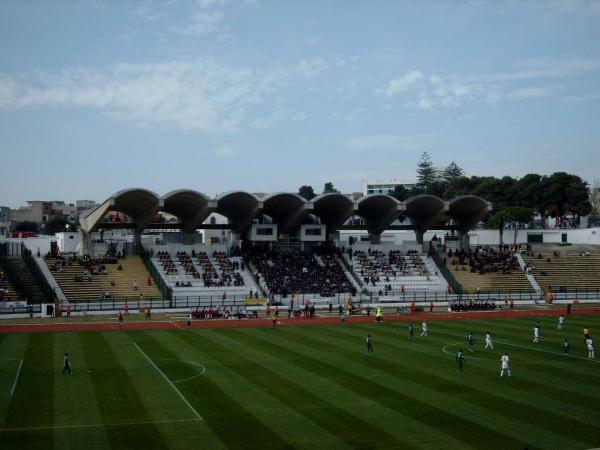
column 419, row 235
column 376, row 238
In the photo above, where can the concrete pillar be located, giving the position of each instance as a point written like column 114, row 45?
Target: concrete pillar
column 419, row 234
column 376, row 238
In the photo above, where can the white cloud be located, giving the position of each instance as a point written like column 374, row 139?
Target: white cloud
column 311, row 66
column 529, row 92
column 202, row 23
column 403, row 83
column 383, row 142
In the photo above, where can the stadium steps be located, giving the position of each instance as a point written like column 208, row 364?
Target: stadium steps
column 571, row 271
column 513, row 282
column 133, row 270
column 22, row 280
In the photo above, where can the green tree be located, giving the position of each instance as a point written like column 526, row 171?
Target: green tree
column 27, row 226
column 400, row 193
column 498, row 221
column 425, row 173
column 306, row 192
column 452, row 172
column 520, row 216
column 59, row 225
column 563, row 194
column 329, row 188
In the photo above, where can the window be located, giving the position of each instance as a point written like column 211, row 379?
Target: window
column 264, row 231
column 313, row 231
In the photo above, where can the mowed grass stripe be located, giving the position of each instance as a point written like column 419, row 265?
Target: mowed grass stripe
column 226, row 417
column 12, row 347
column 583, row 372
column 349, row 392
column 265, row 407
column 347, row 426
column 506, row 406
column 535, row 377
column 570, row 405
column 463, row 404
column 117, row 398
column 415, row 400
column 74, row 398
column 35, row 387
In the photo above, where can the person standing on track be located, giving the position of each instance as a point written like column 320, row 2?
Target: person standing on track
column 120, row 318
column 488, row 341
column 369, row 344
column 66, row 365
column 460, row 360
column 189, row 320
column 471, row 341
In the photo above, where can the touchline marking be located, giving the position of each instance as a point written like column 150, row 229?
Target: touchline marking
column 98, row 425
column 528, row 348
column 198, row 416
column 12, row 391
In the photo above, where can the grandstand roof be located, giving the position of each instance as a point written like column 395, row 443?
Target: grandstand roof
column 287, row 209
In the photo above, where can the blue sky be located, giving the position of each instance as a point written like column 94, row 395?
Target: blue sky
column 214, row 95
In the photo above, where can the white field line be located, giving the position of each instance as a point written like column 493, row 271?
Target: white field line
column 525, row 347
column 12, row 391
column 97, row 425
column 198, row 416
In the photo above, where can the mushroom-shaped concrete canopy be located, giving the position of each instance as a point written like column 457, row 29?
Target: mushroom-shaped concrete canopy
column 286, row 209
column 190, row 206
column 467, row 210
column 379, row 211
column 139, row 204
column 424, row 211
column 239, row 207
column 333, row 209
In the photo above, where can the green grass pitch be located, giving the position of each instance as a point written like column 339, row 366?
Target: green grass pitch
column 301, row 387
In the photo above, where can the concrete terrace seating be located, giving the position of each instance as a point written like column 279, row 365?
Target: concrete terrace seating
column 569, row 271
column 198, row 274
column 67, row 271
column 409, row 272
column 486, row 269
column 288, row 272
column 7, row 291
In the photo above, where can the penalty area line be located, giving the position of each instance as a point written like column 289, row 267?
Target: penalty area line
column 526, row 347
column 198, row 416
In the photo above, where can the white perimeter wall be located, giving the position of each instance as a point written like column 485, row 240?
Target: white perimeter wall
column 589, row 236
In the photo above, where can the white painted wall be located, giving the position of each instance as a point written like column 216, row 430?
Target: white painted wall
column 254, row 236
column 304, row 237
column 589, row 236
column 68, row 242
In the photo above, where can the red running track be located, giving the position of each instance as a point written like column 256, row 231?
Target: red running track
column 217, row 323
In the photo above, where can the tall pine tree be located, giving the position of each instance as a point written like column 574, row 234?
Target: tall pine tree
column 452, row 172
column 425, row 173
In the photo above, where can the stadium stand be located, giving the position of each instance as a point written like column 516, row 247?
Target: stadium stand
column 561, row 270
column 395, row 273
column 485, row 269
column 82, row 278
column 7, row 291
column 198, row 274
column 296, row 272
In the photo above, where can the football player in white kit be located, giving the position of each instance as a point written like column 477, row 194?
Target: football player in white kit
column 561, row 322
column 425, row 329
column 488, row 341
column 505, row 365
column 590, row 347
column 536, row 334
